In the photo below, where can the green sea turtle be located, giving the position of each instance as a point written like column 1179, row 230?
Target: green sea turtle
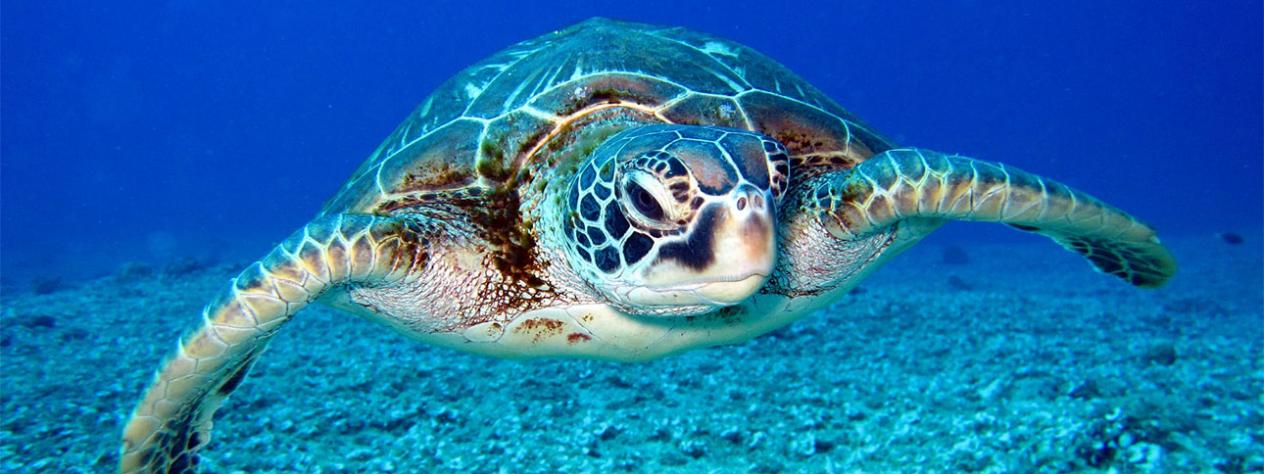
column 616, row 191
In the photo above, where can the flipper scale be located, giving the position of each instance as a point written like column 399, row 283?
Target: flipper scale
column 173, row 420
column 912, row 183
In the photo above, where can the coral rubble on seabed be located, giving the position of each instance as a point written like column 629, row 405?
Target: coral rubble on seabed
column 1021, row 360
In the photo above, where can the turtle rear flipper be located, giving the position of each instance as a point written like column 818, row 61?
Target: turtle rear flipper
column 910, row 183
column 173, row 420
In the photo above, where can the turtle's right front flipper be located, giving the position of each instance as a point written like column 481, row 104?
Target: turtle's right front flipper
column 905, row 184
column 173, row 420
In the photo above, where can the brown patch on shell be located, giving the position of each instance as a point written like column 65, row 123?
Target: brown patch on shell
column 508, row 144
column 606, row 88
column 539, row 328
column 706, row 110
column 444, row 159
column 442, row 175
column 800, row 128
column 558, row 159
column 818, row 142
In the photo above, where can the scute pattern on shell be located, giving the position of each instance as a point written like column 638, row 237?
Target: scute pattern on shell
column 480, row 127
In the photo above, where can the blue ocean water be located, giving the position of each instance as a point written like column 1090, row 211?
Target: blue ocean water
column 143, row 131
column 200, row 134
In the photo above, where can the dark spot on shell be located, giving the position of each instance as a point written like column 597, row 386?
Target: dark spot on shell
column 441, row 175
column 492, row 166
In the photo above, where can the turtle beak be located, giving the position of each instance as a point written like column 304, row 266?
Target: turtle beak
column 745, row 250
column 726, row 258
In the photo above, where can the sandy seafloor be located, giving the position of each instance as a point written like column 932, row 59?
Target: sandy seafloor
column 1022, row 360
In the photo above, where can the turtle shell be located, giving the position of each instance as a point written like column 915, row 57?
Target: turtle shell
column 487, row 126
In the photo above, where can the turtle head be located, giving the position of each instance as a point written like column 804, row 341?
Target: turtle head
column 675, row 219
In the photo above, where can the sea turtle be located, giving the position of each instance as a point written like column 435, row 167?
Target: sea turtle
column 616, row 191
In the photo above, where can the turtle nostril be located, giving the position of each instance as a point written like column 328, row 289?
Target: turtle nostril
column 741, row 203
column 757, row 201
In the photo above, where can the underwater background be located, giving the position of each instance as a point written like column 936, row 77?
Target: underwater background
column 149, row 150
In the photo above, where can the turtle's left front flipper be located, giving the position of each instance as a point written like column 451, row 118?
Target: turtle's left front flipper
column 173, row 420
column 910, row 183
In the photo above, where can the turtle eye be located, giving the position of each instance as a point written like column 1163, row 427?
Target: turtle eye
column 643, row 201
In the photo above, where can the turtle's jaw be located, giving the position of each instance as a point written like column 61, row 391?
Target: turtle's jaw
column 726, row 258
column 696, row 299
column 723, row 292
